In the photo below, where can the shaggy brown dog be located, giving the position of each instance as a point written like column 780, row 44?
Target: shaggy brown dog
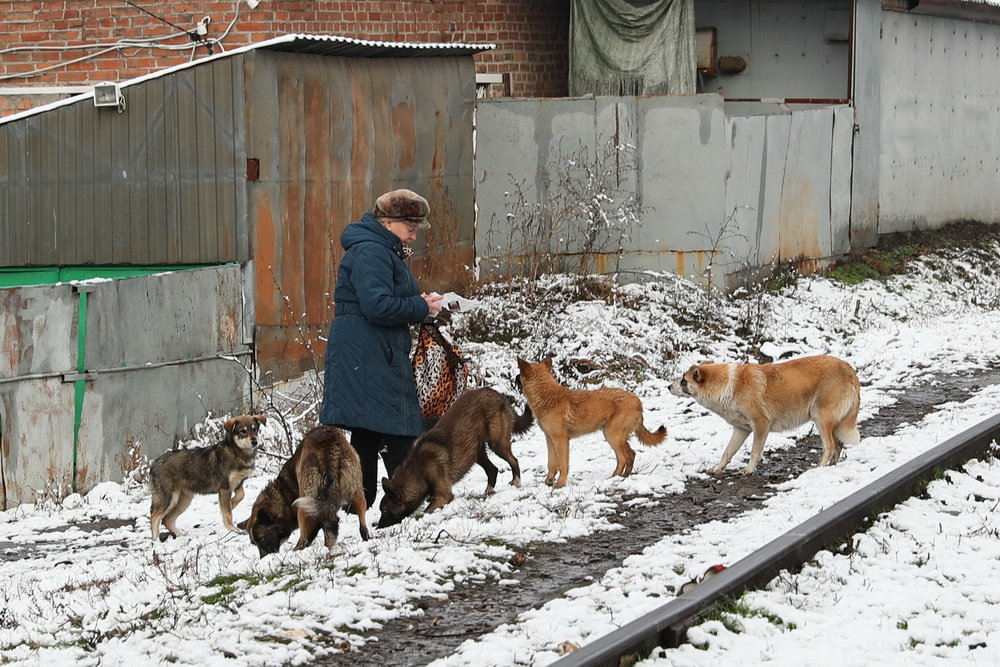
column 176, row 476
column 565, row 413
column 323, row 475
column 760, row 398
column 478, row 419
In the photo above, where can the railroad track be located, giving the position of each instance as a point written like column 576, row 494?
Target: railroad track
column 667, row 625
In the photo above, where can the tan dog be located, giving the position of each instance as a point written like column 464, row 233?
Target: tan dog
column 565, row 413
column 760, row 398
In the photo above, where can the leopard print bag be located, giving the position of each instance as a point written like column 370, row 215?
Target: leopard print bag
column 440, row 371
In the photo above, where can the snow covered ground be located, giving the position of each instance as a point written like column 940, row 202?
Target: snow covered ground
column 916, row 588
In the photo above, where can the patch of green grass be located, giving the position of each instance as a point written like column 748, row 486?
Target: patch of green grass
column 224, row 595
column 934, row 474
column 729, row 610
column 853, row 273
column 228, row 584
column 876, row 264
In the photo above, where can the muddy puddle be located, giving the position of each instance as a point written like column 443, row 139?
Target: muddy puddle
column 549, row 570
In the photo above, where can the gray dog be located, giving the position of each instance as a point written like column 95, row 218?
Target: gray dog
column 176, row 476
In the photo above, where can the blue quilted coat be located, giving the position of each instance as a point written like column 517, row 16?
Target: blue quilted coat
column 368, row 380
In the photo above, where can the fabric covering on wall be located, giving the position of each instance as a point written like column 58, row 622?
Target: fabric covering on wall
column 638, row 47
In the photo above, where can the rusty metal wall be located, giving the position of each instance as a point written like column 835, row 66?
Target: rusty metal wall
column 331, row 134
column 163, row 182
column 718, row 194
column 940, row 122
column 161, row 353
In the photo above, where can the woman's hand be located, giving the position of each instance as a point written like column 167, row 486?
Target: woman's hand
column 432, row 302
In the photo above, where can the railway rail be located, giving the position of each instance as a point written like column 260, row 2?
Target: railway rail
column 667, row 626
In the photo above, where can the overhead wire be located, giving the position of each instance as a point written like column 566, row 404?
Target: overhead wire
column 128, row 43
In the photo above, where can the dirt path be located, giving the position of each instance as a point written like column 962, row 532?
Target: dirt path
column 549, row 570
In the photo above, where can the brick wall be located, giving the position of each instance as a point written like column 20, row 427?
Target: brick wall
column 531, row 36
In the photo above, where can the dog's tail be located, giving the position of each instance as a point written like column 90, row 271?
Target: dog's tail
column 846, row 430
column 651, row 439
column 320, row 495
column 523, row 421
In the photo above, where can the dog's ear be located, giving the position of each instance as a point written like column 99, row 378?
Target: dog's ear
column 389, row 489
column 242, row 525
column 521, row 364
column 230, row 425
column 697, row 375
column 262, row 419
column 548, row 361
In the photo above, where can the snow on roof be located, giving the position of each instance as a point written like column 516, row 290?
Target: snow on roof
column 330, row 45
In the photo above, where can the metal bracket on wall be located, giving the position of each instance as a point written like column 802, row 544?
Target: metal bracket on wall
column 79, row 377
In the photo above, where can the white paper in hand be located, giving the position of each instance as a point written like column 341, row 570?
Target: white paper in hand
column 456, row 304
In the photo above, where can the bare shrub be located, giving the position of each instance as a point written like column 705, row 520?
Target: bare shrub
column 588, row 210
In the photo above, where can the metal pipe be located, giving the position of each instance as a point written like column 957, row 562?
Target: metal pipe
column 70, row 377
column 667, row 626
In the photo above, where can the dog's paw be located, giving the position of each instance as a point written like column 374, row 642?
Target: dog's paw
column 716, row 471
column 749, row 470
column 516, row 482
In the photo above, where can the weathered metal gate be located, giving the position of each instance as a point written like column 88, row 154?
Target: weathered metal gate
column 93, row 369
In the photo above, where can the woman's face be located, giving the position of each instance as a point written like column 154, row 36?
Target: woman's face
column 404, row 231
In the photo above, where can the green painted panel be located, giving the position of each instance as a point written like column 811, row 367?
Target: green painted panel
column 48, row 275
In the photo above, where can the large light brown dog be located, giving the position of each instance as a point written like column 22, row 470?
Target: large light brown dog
column 760, row 398
column 565, row 413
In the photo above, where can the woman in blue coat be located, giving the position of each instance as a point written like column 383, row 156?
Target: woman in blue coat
column 369, row 387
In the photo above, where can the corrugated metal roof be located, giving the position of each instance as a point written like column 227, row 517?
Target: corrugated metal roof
column 329, row 45
column 335, row 45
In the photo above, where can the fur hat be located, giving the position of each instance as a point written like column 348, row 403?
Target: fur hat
column 404, row 206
